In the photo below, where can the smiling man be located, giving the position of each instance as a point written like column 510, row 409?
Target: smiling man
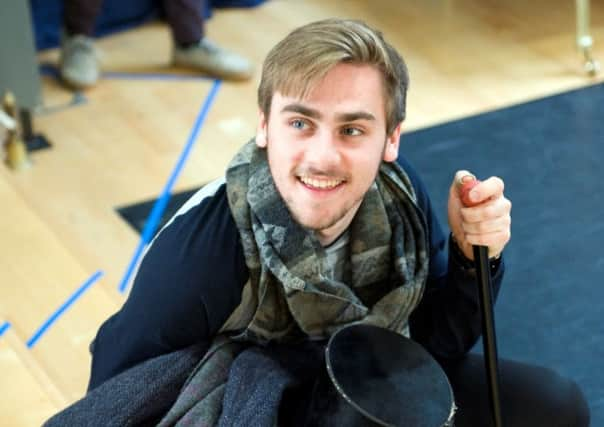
column 325, row 150
column 319, row 224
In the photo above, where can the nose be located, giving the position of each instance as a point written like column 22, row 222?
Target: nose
column 323, row 152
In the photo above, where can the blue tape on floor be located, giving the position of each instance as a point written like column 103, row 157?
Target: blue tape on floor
column 153, row 76
column 53, row 318
column 4, row 327
column 51, row 70
column 162, row 201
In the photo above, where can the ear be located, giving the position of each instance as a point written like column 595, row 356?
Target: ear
column 261, row 130
column 392, row 144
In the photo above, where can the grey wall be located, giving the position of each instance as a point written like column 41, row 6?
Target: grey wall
column 18, row 62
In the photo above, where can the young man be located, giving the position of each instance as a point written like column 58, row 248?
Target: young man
column 320, row 223
column 79, row 65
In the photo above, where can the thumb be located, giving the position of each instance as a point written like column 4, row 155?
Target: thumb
column 464, row 182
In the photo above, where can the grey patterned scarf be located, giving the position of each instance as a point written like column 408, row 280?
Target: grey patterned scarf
column 288, row 295
column 388, row 256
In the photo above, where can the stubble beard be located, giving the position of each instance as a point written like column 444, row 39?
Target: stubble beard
column 322, row 223
column 333, row 219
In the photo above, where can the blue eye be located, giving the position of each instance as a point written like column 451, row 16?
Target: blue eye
column 298, row 124
column 351, row 131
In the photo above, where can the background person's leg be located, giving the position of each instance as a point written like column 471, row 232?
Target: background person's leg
column 193, row 50
column 531, row 396
column 79, row 16
column 79, row 65
column 185, row 20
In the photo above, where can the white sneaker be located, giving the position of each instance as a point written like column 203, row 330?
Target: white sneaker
column 213, row 60
column 79, row 64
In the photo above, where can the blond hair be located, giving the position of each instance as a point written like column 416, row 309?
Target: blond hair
column 305, row 56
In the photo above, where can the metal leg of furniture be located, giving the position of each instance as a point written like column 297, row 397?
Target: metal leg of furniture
column 584, row 40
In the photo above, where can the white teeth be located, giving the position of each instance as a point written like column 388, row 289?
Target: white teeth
column 320, row 183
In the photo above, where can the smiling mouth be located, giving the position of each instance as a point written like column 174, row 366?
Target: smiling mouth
column 320, row 184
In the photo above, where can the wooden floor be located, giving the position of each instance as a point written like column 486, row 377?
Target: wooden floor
column 58, row 221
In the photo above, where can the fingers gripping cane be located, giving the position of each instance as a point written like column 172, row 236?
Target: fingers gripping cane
column 489, row 341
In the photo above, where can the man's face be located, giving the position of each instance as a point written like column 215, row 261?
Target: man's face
column 324, row 151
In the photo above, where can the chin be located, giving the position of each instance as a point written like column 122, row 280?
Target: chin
column 317, row 223
column 306, row 219
column 312, row 224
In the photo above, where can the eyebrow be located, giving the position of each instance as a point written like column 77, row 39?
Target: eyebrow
column 301, row 109
column 357, row 115
column 314, row 114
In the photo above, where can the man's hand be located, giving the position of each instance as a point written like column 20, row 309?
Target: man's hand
column 487, row 222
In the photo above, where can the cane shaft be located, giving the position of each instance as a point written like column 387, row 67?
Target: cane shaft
column 481, row 258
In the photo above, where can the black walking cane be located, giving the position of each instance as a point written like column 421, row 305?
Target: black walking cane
column 489, row 341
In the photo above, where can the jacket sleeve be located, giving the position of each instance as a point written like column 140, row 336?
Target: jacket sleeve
column 188, row 283
column 447, row 320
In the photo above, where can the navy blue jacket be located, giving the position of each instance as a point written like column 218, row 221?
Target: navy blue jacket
column 191, row 279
